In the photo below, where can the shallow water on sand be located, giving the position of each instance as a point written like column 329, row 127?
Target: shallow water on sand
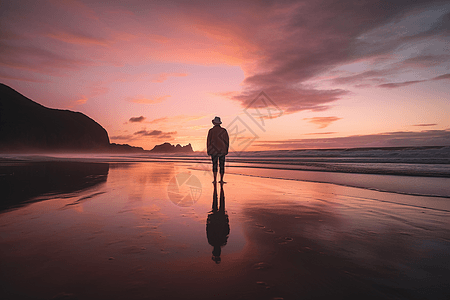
column 147, row 230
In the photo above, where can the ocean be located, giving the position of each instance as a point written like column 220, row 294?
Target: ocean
column 422, row 171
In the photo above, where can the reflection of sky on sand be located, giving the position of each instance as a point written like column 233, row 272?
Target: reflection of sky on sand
column 376, row 240
column 287, row 238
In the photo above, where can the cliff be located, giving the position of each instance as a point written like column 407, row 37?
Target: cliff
column 28, row 126
column 168, row 148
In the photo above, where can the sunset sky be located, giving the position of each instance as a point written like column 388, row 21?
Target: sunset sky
column 334, row 73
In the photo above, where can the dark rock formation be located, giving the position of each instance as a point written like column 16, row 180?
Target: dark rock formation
column 124, row 148
column 28, row 126
column 168, row 148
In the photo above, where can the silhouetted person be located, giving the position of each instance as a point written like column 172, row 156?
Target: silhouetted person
column 217, row 147
column 217, row 225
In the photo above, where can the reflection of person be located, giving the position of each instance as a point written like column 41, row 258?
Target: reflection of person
column 217, row 225
column 217, row 146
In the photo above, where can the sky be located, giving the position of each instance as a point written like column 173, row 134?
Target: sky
column 280, row 74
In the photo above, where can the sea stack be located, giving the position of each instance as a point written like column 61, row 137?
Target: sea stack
column 168, row 148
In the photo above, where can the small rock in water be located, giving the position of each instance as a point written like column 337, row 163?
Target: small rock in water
column 111, row 258
column 259, row 225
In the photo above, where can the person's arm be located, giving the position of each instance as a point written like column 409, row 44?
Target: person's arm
column 226, row 139
column 208, row 142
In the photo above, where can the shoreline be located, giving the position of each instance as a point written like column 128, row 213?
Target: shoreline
column 399, row 182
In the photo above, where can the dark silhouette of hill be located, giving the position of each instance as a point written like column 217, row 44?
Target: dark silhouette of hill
column 168, row 148
column 28, row 126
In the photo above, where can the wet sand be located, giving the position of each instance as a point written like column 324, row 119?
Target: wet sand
column 141, row 233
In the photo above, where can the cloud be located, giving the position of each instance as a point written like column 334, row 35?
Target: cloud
column 35, row 59
column 136, row 119
column 388, row 139
column 424, row 61
column 282, row 46
column 161, row 77
column 178, row 119
column 78, row 38
column 80, row 101
column 295, row 42
column 424, row 125
column 320, row 133
column 322, row 122
column 400, row 84
column 121, row 137
column 380, row 75
column 291, row 100
column 145, row 100
column 158, row 120
column 22, row 78
column 155, row 133
column 445, row 76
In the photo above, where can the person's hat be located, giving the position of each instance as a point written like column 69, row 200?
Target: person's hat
column 216, row 121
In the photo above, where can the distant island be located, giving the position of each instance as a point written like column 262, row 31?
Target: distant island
column 27, row 126
column 168, row 148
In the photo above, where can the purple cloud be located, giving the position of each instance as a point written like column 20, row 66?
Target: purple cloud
column 155, row 133
column 424, row 125
column 400, row 84
column 445, row 76
column 389, row 139
column 137, row 119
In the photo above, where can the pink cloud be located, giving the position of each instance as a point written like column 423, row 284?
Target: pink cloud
column 161, row 77
column 78, row 38
column 146, row 100
column 158, row 120
column 77, row 102
column 280, row 45
column 322, row 122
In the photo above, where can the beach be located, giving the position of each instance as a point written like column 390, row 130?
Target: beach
column 132, row 229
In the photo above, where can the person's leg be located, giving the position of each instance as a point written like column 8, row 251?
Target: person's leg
column 222, row 167
column 214, row 159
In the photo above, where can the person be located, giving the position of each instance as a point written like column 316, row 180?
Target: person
column 217, row 147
